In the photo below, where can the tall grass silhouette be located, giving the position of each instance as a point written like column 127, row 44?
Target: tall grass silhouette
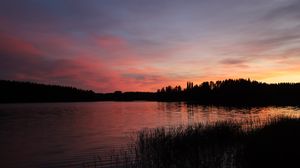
column 226, row 144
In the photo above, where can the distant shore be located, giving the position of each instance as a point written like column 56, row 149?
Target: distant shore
column 241, row 92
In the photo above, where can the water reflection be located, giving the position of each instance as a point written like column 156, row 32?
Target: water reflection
column 68, row 134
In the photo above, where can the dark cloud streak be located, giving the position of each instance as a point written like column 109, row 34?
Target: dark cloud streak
column 288, row 10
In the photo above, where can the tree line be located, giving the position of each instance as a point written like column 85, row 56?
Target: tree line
column 15, row 91
column 234, row 91
column 229, row 91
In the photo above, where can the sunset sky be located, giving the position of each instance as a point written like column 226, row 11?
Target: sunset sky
column 142, row 45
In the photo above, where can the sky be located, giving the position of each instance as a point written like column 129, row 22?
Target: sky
column 142, row 45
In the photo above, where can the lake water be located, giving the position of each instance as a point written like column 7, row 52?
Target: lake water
column 73, row 134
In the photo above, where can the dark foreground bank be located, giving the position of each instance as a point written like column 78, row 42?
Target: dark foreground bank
column 219, row 145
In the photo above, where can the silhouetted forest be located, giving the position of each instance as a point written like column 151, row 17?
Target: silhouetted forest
column 230, row 91
column 233, row 92
column 14, row 91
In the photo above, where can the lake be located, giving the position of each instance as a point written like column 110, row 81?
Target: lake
column 73, row 134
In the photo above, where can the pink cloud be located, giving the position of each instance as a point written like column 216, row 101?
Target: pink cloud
column 111, row 43
column 11, row 45
column 110, row 63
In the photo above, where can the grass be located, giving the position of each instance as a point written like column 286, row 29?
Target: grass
column 227, row 144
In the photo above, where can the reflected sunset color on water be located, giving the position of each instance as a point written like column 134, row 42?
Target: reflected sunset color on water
column 70, row 134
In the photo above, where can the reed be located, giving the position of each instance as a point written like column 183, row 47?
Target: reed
column 226, row 144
